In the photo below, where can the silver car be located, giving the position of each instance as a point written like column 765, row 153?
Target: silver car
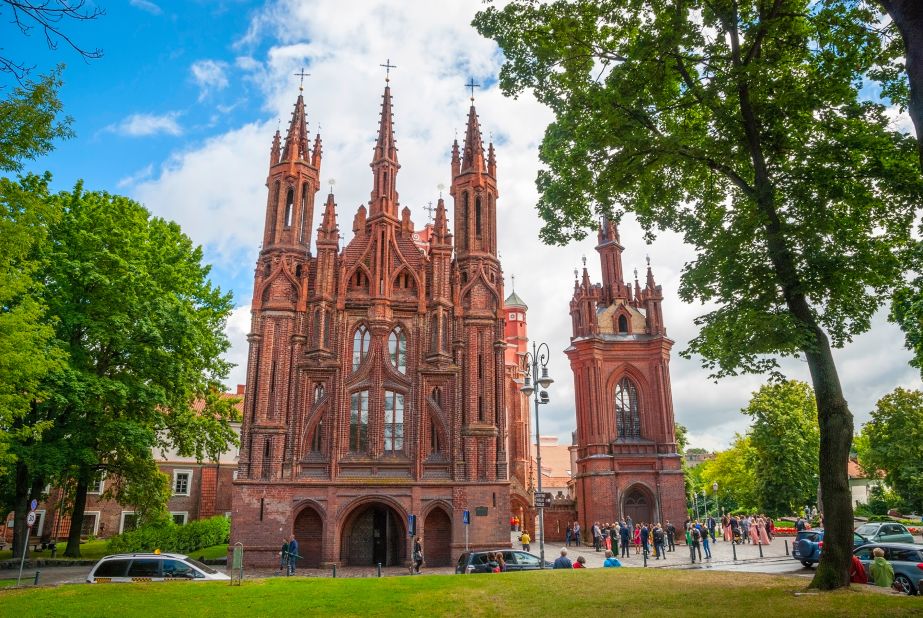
column 906, row 559
column 126, row 568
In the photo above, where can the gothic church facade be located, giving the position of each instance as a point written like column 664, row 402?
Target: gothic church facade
column 381, row 388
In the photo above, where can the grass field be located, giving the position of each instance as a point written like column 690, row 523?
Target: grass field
column 94, row 550
column 596, row 592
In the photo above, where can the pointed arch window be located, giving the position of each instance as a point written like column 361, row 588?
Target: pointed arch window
column 394, row 421
column 359, row 422
column 361, row 343
column 477, row 217
column 318, row 392
column 623, row 324
column 397, row 348
column 627, row 415
column 289, row 206
column 317, row 438
column 304, row 210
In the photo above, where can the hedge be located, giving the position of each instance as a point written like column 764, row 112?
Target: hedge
column 169, row 537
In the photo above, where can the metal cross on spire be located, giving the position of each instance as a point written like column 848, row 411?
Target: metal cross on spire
column 388, row 66
column 471, row 85
column 429, row 210
column 302, row 75
column 513, row 277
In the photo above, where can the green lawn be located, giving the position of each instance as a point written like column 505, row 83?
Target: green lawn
column 94, row 550
column 596, row 592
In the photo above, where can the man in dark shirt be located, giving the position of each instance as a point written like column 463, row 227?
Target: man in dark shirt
column 645, row 538
column 624, row 535
column 671, row 536
column 563, row 562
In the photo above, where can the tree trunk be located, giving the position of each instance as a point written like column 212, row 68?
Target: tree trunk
column 908, row 17
column 80, row 502
column 20, row 509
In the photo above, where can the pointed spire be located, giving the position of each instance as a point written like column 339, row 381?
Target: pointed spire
column 474, row 148
column 328, row 230
column 296, row 141
column 637, row 287
column 318, row 150
column 586, row 275
column 456, row 161
column 275, row 152
column 491, row 159
column 441, row 234
column 650, row 276
column 385, row 147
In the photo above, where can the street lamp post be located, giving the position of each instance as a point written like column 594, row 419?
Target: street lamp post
column 538, row 357
column 705, row 503
column 714, row 488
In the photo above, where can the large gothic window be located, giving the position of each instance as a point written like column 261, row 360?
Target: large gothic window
column 397, row 348
column 394, row 421
column 359, row 422
column 289, row 205
column 361, row 341
column 627, row 418
column 317, row 438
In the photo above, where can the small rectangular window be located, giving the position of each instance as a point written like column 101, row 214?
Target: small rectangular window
column 179, row 518
column 182, row 481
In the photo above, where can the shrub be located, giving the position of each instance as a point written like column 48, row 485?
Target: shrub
column 168, row 537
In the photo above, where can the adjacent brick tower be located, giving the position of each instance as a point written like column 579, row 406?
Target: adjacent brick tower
column 627, row 464
column 377, row 375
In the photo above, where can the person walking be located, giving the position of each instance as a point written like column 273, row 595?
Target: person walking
column 417, row 556
column 645, row 539
column 735, row 529
column 624, row 537
column 754, row 531
column 525, row 539
column 745, row 528
column 659, row 535
column 764, row 530
column 710, row 522
column 671, row 536
column 577, row 533
column 705, row 544
column 283, row 560
column 562, row 561
column 881, row 570
column 292, row 555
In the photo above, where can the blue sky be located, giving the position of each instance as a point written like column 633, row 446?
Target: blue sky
column 179, row 114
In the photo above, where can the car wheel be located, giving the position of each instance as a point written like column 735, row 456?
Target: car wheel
column 807, row 563
column 905, row 584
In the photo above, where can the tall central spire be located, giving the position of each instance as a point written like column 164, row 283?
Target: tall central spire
column 296, row 141
column 473, row 159
column 384, row 162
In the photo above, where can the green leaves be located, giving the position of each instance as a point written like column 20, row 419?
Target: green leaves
column 892, row 441
column 30, row 122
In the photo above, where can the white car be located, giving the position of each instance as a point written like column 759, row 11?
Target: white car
column 121, row 568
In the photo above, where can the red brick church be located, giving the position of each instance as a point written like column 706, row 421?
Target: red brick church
column 626, row 459
column 380, row 382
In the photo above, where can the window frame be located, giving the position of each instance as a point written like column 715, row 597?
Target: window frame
column 91, row 488
column 185, row 515
column 359, row 421
column 122, row 520
column 627, row 391
column 394, row 443
column 98, row 515
column 397, row 352
column 176, row 474
column 362, row 343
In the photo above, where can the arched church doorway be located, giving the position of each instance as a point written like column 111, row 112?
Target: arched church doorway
column 638, row 504
column 437, row 538
column 373, row 533
column 519, row 508
column 309, row 531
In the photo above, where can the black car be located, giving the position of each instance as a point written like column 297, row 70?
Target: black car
column 477, row 561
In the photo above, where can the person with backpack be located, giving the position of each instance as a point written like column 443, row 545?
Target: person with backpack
column 694, row 538
column 658, row 543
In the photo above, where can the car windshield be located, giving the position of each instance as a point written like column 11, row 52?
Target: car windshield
column 867, row 529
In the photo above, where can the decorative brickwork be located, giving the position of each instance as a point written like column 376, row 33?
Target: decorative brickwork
column 378, row 375
column 627, row 464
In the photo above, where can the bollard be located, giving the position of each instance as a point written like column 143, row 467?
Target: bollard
column 786, row 547
column 37, row 573
column 734, row 548
column 761, row 549
column 379, row 569
column 334, row 571
column 645, row 557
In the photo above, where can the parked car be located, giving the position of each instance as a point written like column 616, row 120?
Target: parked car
column 476, row 561
column 905, row 558
column 809, row 544
column 885, row 532
column 119, row 568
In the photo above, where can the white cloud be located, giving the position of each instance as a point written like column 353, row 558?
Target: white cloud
column 209, row 76
column 143, row 125
column 146, row 5
column 133, row 179
column 900, row 119
column 217, row 192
